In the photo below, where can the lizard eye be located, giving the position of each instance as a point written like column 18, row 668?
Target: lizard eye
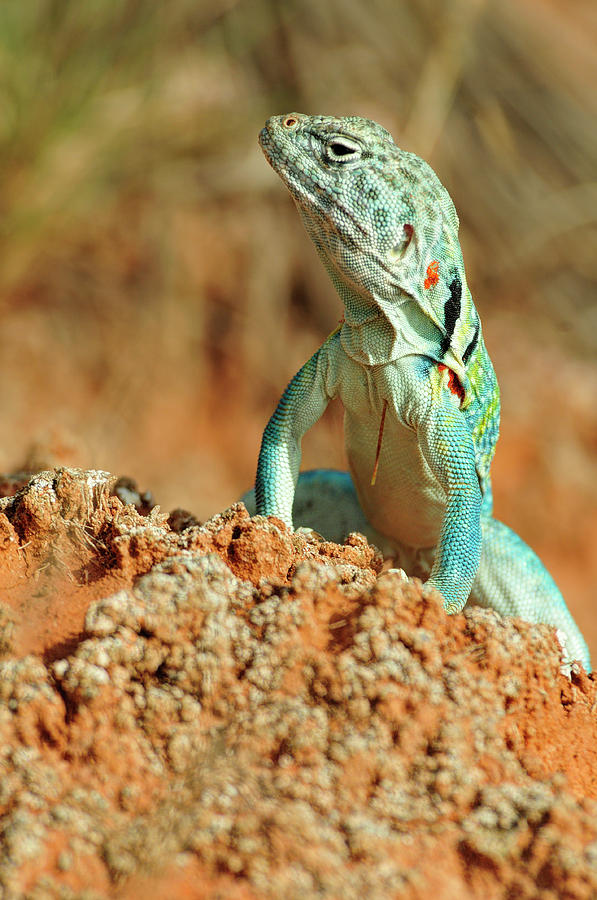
column 290, row 122
column 341, row 149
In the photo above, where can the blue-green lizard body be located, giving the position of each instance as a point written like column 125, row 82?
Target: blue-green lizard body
column 409, row 364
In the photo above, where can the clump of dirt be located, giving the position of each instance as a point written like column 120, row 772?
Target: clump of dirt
column 67, row 538
column 233, row 710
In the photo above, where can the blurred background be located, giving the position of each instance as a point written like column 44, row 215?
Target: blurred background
column 157, row 288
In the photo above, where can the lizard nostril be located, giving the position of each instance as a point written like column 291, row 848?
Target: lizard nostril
column 289, row 122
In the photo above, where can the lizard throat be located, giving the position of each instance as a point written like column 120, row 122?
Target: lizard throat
column 381, row 332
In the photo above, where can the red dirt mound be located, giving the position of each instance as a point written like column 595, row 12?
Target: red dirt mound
column 233, row 710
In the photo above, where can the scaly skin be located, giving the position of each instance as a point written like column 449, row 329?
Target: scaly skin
column 410, row 354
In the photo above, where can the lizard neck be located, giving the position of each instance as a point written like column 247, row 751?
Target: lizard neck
column 376, row 331
column 391, row 310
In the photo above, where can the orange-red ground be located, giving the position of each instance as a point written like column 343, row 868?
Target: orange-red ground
column 231, row 710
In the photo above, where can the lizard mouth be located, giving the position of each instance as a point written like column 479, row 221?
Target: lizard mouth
column 277, row 153
column 267, row 144
column 264, row 138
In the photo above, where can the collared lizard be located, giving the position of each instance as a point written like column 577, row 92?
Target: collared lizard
column 420, row 396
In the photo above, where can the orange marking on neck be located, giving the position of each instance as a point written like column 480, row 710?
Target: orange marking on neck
column 432, row 274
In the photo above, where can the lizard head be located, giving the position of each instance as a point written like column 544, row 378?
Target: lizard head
column 383, row 224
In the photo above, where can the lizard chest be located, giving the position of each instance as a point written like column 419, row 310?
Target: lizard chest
column 398, row 492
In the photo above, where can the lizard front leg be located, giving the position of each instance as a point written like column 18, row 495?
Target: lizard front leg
column 447, row 445
column 301, row 405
